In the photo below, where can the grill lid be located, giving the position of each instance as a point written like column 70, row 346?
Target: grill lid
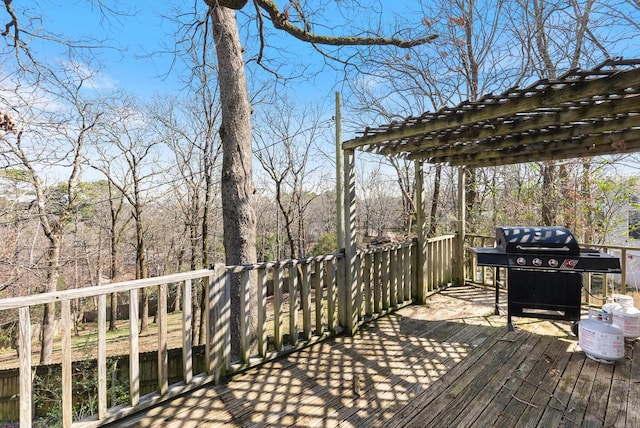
column 544, row 239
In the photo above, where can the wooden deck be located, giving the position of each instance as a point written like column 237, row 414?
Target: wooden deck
column 449, row 363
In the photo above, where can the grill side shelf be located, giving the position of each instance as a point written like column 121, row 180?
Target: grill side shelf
column 491, row 257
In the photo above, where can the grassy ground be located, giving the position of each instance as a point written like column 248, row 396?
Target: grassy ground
column 84, row 345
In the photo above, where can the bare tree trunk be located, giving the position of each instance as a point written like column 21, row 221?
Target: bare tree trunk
column 141, row 267
column 433, row 217
column 49, row 315
column 585, row 191
column 548, row 194
column 237, row 184
column 113, row 242
column 471, row 193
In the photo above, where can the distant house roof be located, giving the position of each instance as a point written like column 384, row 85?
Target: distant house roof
column 580, row 114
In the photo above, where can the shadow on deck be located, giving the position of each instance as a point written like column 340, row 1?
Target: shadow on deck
column 448, row 363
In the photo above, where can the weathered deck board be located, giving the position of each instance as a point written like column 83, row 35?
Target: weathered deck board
column 448, row 363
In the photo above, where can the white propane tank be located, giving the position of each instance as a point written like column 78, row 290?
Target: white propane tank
column 600, row 339
column 612, row 303
column 627, row 317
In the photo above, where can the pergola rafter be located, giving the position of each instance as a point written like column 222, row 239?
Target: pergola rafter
column 580, row 114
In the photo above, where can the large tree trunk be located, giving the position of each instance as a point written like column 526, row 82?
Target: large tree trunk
column 237, row 184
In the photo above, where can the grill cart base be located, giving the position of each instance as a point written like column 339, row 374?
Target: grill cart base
column 544, row 294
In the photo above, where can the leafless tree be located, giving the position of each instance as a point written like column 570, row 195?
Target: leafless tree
column 55, row 137
column 285, row 141
column 126, row 153
column 189, row 132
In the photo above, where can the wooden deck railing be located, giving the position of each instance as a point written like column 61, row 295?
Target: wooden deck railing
column 303, row 308
column 594, row 295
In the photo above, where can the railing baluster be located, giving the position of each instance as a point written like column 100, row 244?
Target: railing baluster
column 377, row 303
column 293, row 304
column 330, row 277
column 163, row 353
column 245, row 325
column 187, row 331
column 26, row 379
column 384, row 282
column 360, row 288
column 278, row 284
column 429, row 267
column 407, row 271
column 305, row 301
column 393, row 278
column 262, row 312
column 67, row 395
column 102, row 356
column 368, row 295
column 134, row 352
column 318, row 281
column 623, row 267
column 440, row 263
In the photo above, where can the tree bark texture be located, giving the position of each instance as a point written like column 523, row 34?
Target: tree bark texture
column 239, row 221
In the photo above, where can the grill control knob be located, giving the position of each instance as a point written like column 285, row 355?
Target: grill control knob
column 553, row 263
column 521, row 261
column 537, row 262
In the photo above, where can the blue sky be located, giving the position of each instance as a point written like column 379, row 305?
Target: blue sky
column 129, row 41
column 143, row 33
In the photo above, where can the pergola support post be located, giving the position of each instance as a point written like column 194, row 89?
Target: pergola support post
column 421, row 229
column 339, row 186
column 348, row 314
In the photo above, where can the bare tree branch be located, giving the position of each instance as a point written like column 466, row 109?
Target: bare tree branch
column 280, row 21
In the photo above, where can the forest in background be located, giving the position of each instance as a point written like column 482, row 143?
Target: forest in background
column 100, row 185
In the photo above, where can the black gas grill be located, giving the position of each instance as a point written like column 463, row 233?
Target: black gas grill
column 544, row 270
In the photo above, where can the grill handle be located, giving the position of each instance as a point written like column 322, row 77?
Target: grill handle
column 544, row 249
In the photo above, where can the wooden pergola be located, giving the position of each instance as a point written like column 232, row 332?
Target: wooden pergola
column 582, row 113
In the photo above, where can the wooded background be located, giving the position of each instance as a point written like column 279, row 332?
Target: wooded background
column 100, row 185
